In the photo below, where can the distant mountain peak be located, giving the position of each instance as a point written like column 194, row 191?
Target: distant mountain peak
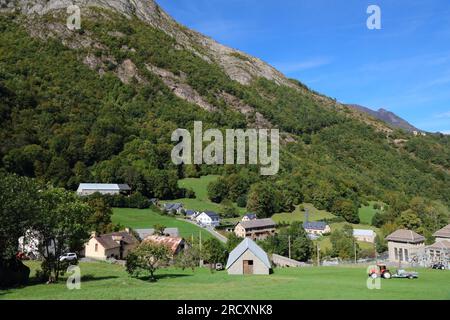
column 387, row 116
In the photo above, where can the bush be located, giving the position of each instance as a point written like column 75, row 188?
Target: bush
column 189, row 193
column 241, row 201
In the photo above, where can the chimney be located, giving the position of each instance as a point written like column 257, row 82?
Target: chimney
column 93, row 234
column 127, row 230
column 117, row 238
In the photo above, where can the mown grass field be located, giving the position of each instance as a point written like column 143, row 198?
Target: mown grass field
column 201, row 201
column 105, row 281
column 297, row 215
column 366, row 213
column 147, row 218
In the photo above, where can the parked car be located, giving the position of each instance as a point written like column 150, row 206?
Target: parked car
column 219, row 266
column 403, row 274
column 70, row 256
column 438, row 265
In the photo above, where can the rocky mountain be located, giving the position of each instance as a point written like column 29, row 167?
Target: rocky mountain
column 99, row 104
column 386, row 116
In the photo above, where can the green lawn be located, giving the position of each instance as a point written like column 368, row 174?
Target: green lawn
column 105, row 281
column 201, row 201
column 297, row 215
column 146, row 218
column 367, row 212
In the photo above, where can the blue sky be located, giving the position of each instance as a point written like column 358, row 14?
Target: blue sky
column 404, row 67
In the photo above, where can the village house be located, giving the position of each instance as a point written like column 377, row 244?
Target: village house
column 316, row 227
column 438, row 252
column 442, row 234
column 85, row 189
column 249, row 216
column 208, row 218
column 175, row 244
column 144, row 233
column 173, row 207
column 111, row 245
column 258, row 229
column 191, row 214
column 33, row 247
column 248, row 258
column 405, row 246
column 365, row 235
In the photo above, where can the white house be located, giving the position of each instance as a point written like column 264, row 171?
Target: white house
column 85, row 189
column 208, row 218
column 31, row 245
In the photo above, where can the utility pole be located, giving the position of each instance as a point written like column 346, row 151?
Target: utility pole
column 318, row 255
column 200, row 246
column 289, row 245
column 354, row 248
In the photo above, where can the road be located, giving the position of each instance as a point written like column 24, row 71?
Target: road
column 211, row 230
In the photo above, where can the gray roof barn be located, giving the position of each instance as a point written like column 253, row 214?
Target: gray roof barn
column 144, row 233
column 443, row 233
column 258, row 223
column 407, row 236
column 248, row 258
column 315, row 225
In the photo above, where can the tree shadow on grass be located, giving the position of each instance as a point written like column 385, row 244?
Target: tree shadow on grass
column 162, row 276
column 84, row 278
column 90, row 277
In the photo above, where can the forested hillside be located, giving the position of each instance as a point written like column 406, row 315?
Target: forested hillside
column 99, row 104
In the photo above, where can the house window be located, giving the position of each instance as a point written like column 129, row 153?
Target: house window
column 96, row 247
column 396, row 253
column 406, row 255
column 400, row 254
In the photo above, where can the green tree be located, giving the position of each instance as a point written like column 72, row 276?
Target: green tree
column 213, row 252
column 61, row 224
column 346, row 209
column 262, row 199
column 233, row 241
column 159, row 229
column 147, row 258
column 228, row 209
column 100, row 220
column 409, row 220
column 343, row 243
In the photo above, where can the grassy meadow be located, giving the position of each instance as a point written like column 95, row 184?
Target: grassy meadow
column 101, row 280
column 147, row 218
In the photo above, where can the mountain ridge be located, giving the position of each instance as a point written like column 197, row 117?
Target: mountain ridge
column 386, row 116
column 98, row 104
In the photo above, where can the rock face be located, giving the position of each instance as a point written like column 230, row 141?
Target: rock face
column 238, row 65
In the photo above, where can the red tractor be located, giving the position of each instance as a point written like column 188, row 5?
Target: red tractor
column 381, row 271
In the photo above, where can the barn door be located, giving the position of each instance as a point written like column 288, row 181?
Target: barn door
column 248, row 266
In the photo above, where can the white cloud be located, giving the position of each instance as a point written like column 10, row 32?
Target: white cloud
column 443, row 115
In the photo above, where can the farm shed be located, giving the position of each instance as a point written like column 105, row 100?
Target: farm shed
column 248, row 258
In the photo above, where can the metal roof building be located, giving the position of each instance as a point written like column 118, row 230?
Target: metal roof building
column 85, row 189
column 248, row 258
